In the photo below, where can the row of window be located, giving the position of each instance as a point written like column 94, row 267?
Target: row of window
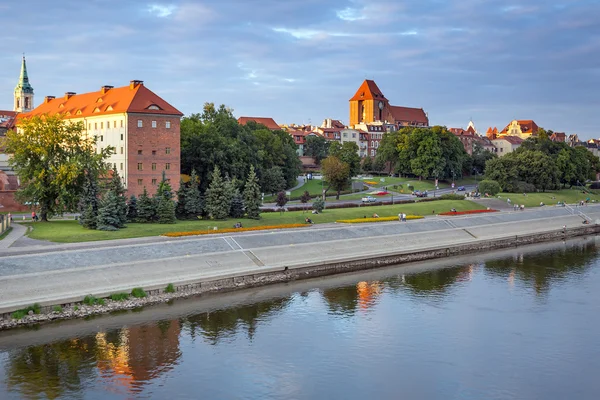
column 140, row 124
column 140, row 166
column 353, row 135
column 374, row 144
column 167, row 151
column 140, row 182
column 101, row 137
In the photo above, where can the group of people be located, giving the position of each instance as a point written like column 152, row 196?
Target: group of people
column 402, row 217
column 517, row 207
column 237, row 225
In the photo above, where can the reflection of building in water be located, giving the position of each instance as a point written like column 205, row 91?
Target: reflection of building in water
column 368, row 292
column 466, row 274
column 140, row 354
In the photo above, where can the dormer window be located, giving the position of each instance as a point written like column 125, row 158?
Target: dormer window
column 61, row 106
column 96, row 110
column 154, row 107
column 99, row 100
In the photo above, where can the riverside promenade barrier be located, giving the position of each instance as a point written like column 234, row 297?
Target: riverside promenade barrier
column 65, row 274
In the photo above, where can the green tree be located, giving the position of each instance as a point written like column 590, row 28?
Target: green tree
column 146, row 208
column 490, row 187
column 89, row 202
column 388, row 150
column 218, row 200
column 281, row 199
column 51, row 157
column 367, row 164
column 180, row 210
column 480, row 157
column 252, row 196
column 165, row 210
column 237, row 205
column 109, row 218
column 305, row 198
column 348, row 153
column 429, row 160
column 132, row 213
column 316, row 147
column 116, row 186
column 273, row 180
column 193, row 199
column 318, row 204
column 336, row 173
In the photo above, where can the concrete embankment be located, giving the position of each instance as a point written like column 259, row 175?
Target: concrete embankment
column 65, row 274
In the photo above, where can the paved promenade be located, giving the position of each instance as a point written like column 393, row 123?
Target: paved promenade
column 63, row 273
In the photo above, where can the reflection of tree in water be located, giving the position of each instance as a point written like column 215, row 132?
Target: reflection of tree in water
column 345, row 300
column 127, row 358
column 435, row 282
column 540, row 270
column 219, row 324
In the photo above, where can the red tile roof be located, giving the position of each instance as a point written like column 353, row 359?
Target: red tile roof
column 135, row 98
column 527, row 126
column 410, row 115
column 368, row 91
column 7, row 114
column 511, row 139
column 268, row 122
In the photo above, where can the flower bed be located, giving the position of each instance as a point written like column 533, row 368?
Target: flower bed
column 380, row 219
column 371, row 182
column 230, row 230
column 467, row 212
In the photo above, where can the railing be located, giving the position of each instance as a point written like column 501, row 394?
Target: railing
column 4, row 223
column 576, row 211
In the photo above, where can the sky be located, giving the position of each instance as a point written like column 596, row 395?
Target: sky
column 300, row 61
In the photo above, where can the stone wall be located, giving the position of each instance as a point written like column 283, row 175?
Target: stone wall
column 8, row 202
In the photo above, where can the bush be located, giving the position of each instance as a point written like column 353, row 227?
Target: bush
column 411, row 188
column 119, row 296
column 170, row 288
column 138, row 293
column 524, row 187
column 451, row 196
column 490, row 187
column 92, row 300
column 57, row 309
column 318, row 204
column 19, row 314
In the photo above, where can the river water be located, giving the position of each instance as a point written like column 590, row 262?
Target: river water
column 517, row 324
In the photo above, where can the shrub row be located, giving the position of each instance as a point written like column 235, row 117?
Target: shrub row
column 380, row 219
column 228, row 230
column 467, row 212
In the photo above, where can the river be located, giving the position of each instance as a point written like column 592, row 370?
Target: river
column 516, row 324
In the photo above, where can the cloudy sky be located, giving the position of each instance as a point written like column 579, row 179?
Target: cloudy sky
column 301, row 60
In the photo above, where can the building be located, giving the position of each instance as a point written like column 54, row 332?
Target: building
column 7, row 119
column 372, row 134
column 356, row 136
column 506, row 144
column 23, row 96
column 466, row 136
column 559, row 137
column 268, row 122
column 141, row 127
column 521, row 128
column 369, row 105
column 491, row 133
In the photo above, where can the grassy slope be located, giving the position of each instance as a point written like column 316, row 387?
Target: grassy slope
column 534, row 199
column 71, row 231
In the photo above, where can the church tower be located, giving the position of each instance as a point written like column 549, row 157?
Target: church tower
column 23, row 91
column 368, row 104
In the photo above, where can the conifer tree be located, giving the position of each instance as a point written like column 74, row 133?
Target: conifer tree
column 193, row 199
column 146, row 208
column 88, row 205
column 218, row 198
column 116, row 186
column 182, row 194
column 109, row 218
column 163, row 200
column 237, row 205
column 132, row 209
column 252, row 195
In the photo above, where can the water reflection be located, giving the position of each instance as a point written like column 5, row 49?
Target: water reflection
column 123, row 361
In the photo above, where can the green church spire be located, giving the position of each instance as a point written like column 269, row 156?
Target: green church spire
column 24, row 79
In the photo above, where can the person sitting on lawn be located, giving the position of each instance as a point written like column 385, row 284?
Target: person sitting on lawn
column 375, row 216
column 308, row 220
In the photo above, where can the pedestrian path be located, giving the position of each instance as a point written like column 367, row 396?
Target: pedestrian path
column 17, row 232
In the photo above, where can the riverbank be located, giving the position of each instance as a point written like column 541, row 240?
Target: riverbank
column 64, row 277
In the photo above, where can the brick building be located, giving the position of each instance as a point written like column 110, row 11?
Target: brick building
column 141, row 127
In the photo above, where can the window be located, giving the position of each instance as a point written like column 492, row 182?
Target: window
column 140, row 123
column 153, row 152
column 139, row 152
column 376, row 144
column 102, row 138
column 121, row 136
column 121, row 123
column 121, row 150
column 114, row 166
column 140, row 166
column 121, row 166
column 140, row 182
column 114, row 124
column 168, row 124
column 154, row 124
column 153, row 166
column 95, row 125
column 101, row 125
column 168, row 150
column 372, row 153
column 168, row 166
column 90, row 126
column 501, row 149
column 372, row 143
column 353, row 135
column 154, row 181
column 345, row 134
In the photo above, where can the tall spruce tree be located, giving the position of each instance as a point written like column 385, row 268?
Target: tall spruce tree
column 193, row 199
column 237, row 205
column 116, row 186
column 109, row 218
column 89, row 203
column 180, row 210
column 165, row 206
column 252, row 195
column 146, row 208
column 218, row 198
column 132, row 213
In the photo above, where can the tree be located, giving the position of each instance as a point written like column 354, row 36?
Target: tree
column 165, row 210
column 367, row 164
column 305, row 198
column 116, row 186
column 51, row 158
column 281, row 199
column 237, row 205
column 316, row 147
column 132, row 213
column 388, row 150
column 252, row 196
column 218, row 200
column 146, row 208
column 348, row 153
column 480, row 157
column 490, row 187
column 88, row 205
column 193, row 199
column 273, row 180
column 180, row 210
column 109, row 218
column 318, row 204
column 336, row 173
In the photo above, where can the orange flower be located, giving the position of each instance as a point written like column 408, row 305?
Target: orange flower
column 229, row 230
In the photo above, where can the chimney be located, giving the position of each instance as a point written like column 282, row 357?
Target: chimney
column 106, row 88
column 68, row 95
column 48, row 98
column 134, row 84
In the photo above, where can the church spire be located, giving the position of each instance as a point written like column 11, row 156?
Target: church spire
column 23, row 91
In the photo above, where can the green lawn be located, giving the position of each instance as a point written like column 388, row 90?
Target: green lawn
column 71, row 231
column 569, row 196
column 5, row 234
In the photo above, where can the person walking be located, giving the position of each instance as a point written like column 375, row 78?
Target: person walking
column 403, row 217
column 399, row 217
